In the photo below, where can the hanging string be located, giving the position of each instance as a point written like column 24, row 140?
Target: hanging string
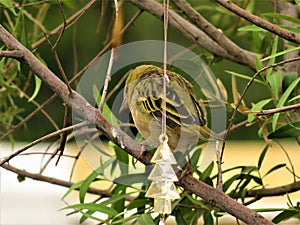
column 162, row 219
column 166, row 78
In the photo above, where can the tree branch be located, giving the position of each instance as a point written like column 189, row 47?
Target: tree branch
column 276, row 191
column 52, row 180
column 277, row 110
column 214, row 33
column 192, row 32
column 91, row 114
column 287, row 35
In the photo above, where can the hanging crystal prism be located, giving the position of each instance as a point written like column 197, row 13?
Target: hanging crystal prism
column 162, row 188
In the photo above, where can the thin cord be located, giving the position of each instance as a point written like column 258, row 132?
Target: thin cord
column 166, row 78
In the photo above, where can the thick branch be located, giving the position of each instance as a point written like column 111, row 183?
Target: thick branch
column 191, row 32
column 287, row 35
column 91, row 114
column 213, row 32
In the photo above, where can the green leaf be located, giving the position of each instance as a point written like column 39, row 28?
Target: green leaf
column 131, row 179
column 257, row 107
column 72, row 188
column 288, row 79
column 273, row 52
column 244, row 77
column 21, row 178
column 207, row 172
column 3, row 83
column 195, row 158
column 107, row 113
column 86, row 184
column 281, row 53
column 99, row 149
column 94, row 207
column 229, row 182
column 275, row 168
column 285, row 215
column 275, row 81
column 208, row 219
column 282, row 16
column 252, row 28
column 249, row 169
column 9, row 5
column 122, row 158
column 295, row 98
column 104, row 165
column 38, row 84
column 145, row 219
column 282, row 100
column 286, row 131
column 115, row 198
column 137, row 203
column 262, row 156
column 197, row 202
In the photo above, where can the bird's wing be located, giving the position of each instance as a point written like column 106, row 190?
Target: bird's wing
column 180, row 106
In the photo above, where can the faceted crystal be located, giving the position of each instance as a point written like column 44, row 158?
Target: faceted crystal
column 162, row 171
column 163, row 154
column 162, row 205
column 162, row 189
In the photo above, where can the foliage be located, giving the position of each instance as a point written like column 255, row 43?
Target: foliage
column 255, row 96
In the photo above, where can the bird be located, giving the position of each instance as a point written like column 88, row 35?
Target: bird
column 185, row 117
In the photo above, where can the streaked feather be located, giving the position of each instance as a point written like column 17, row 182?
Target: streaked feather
column 184, row 115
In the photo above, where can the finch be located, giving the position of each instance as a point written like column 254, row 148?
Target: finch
column 185, row 119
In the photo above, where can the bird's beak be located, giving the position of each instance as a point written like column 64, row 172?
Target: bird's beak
column 124, row 106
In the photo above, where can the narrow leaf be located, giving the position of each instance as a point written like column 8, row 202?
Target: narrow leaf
column 107, row 113
column 132, row 179
column 252, row 28
column 262, row 156
column 72, row 188
column 273, row 52
column 275, row 81
column 94, row 207
column 282, row 100
column 281, row 53
column 244, row 77
column 145, row 219
column 286, row 131
column 86, row 184
column 257, row 107
column 285, row 215
column 38, row 84
column 282, row 16
column 275, row 168
column 9, row 5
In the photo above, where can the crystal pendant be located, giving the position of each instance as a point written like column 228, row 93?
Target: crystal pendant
column 162, row 188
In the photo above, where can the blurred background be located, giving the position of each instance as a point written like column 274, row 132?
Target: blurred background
column 35, row 202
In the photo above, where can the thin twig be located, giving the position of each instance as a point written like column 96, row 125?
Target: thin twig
column 115, row 43
column 268, row 112
column 44, row 138
column 288, row 35
column 231, row 121
column 214, row 33
column 61, row 33
column 69, row 22
column 63, row 139
column 62, row 183
column 27, row 118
